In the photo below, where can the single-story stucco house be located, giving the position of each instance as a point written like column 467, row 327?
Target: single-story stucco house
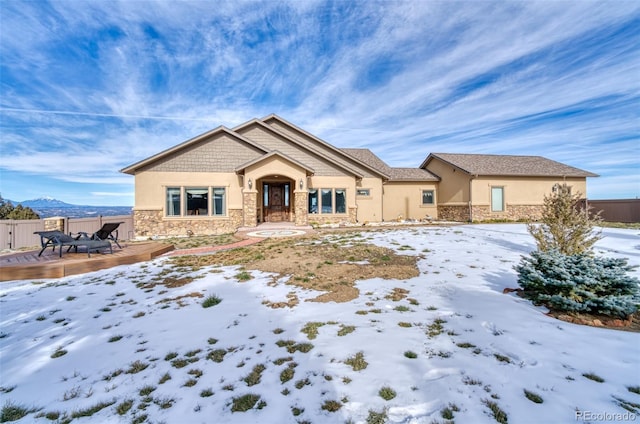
column 269, row 170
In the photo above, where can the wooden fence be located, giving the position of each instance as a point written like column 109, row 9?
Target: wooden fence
column 18, row 233
column 619, row 210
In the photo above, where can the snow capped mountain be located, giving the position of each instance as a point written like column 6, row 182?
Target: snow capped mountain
column 46, row 202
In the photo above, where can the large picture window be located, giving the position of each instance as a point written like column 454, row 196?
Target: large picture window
column 196, row 201
column 497, row 199
column 328, row 201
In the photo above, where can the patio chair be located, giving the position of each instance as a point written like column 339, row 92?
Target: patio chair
column 109, row 231
column 60, row 239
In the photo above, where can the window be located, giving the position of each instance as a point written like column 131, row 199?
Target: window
column 326, row 197
column 173, row 201
column 341, row 200
column 323, row 200
column 219, row 203
column 363, row 192
column 427, row 197
column 313, row 201
column 197, row 201
column 497, row 199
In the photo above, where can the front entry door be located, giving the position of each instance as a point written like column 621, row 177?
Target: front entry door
column 277, row 207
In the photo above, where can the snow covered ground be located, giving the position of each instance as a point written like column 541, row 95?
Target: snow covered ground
column 456, row 347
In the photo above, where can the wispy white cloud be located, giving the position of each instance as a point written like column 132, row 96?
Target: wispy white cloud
column 105, row 84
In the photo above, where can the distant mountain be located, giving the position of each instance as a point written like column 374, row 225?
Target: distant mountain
column 47, row 207
column 46, row 202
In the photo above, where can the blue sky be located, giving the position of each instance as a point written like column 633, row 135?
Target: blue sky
column 90, row 87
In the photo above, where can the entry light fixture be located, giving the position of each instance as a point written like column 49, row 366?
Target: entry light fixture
column 301, row 184
column 250, row 184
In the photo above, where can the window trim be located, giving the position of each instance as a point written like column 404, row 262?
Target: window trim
column 367, row 190
column 503, row 205
column 317, row 194
column 182, row 211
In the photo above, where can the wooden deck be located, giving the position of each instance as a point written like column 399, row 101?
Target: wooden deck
column 28, row 265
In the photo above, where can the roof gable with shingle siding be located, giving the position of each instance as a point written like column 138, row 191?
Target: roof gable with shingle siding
column 220, row 153
column 274, row 140
column 314, row 143
column 395, row 174
column 507, row 165
column 164, row 158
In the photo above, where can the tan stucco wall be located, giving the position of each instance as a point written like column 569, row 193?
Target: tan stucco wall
column 369, row 208
column 522, row 190
column 275, row 166
column 403, row 200
column 453, row 188
column 523, row 196
column 346, row 182
column 149, row 210
column 150, row 187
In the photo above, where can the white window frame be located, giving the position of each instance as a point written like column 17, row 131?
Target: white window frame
column 495, row 189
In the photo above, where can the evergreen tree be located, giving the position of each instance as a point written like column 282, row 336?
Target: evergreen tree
column 579, row 283
column 564, row 227
column 8, row 211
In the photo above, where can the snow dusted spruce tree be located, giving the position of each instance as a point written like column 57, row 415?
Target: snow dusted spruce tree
column 564, row 275
column 564, row 228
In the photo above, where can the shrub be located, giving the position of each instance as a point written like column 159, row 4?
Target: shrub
column 594, row 377
column 287, row 374
column 211, row 301
column 579, row 283
column 564, row 227
column 377, row 417
column 498, row 414
column 533, row 397
column 331, row 405
column 255, row 375
column 14, row 412
column 357, row 362
column 387, row 393
column 245, row 402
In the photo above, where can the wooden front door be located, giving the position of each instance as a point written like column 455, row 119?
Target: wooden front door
column 277, row 207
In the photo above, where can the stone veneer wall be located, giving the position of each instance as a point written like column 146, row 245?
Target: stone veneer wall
column 54, row 223
column 301, row 215
column 250, row 204
column 320, row 219
column 511, row 213
column 453, row 213
column 150, row 223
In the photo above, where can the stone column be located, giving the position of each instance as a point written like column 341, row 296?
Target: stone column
column 302, row 215
column 250, row 208
column 54, row 223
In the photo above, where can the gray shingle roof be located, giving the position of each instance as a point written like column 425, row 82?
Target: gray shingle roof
column 395, row 174
column 507, row 165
